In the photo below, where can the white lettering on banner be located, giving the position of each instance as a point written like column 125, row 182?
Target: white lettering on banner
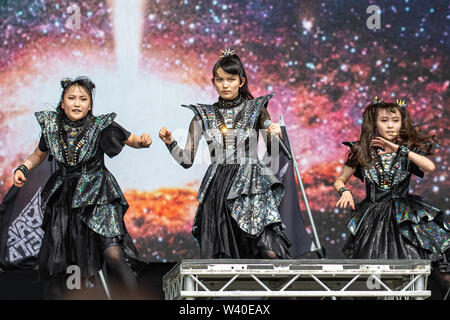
column 25, row 233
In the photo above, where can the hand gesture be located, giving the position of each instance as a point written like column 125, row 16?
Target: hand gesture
column 388, row 146
column 346, row 199
column 19, row 179
column 144, row 140
column 165, row 135
column 274, row 129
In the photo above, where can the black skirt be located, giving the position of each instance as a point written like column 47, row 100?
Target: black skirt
column 401, row 228
column 218, row 233
column 69, row 241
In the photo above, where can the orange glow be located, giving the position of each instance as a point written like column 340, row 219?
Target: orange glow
column 161, row 212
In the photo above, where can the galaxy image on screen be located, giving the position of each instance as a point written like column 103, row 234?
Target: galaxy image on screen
column 147, row 58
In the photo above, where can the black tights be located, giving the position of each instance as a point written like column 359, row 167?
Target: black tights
column 120, row 278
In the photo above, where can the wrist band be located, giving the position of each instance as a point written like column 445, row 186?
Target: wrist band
column 171, row 145
column 342, row 190
column 23, row 168
column 403, row 151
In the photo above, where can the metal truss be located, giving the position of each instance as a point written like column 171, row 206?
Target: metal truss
column 380, row 279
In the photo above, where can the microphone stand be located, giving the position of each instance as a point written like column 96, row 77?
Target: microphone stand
column 320, row 251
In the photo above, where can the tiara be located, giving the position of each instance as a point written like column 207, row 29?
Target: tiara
column 227, row 52
column 377, row 100
column 401, row 103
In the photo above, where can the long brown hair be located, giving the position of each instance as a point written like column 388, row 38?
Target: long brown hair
column 410, row 135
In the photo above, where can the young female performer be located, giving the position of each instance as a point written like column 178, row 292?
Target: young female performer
column 82, row 203
column 391, row 223
column 238, row 212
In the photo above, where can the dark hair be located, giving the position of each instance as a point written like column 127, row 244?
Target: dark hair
column 83, row 82
column 232, row 64
column 410, row 134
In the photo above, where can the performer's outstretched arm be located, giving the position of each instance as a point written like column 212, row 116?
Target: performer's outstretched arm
column 138, row 142
column 346, row 197
column 421, row 161
column 185, row 157
column 33, row 160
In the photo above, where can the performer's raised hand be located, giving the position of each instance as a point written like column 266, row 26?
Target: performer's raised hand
column 19, row 179
column 144, row 140
column 274, row 129
column 387, row 146
column 165, row 135
column 346, row 199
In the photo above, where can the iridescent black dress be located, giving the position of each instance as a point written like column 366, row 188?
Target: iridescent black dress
column 82, row 202
column 393, row 224
column 237, row 216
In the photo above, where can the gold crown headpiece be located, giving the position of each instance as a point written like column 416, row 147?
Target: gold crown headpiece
column 377, row 100
column 227, row 52
column 401, row 103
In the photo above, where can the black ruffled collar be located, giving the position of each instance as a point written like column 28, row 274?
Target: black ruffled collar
column 74, row 124
column 222, row 103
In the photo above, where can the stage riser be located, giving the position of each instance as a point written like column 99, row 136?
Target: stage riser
column 314, row 294
column 386, row 279
column 297, row 286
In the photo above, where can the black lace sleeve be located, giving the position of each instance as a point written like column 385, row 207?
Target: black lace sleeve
column 112, row 139
column 263, row 117
column 185, row 157
column 42, row 145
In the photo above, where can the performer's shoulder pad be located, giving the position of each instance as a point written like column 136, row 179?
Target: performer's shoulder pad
column 43, row 116
column 264, row 99
column 349, row 144
column 105, row 120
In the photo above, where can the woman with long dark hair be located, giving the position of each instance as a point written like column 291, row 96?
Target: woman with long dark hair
column 82, row 203
column 390, row 223
column 239, row 196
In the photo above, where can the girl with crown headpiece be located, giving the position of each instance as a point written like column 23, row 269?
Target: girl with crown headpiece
column 237, row 216
column 391, row 223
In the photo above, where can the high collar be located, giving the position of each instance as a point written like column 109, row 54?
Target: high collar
column 74, row 124
column 223, row 103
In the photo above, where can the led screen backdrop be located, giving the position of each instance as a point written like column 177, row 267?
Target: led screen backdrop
column 325, row 60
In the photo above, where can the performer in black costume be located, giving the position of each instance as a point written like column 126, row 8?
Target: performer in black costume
column 239, row 196
column 391, row 223
column 82, row 202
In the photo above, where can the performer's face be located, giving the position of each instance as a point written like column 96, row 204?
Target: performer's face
column 76, row 103
column 227, row 84
column 389, row 124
